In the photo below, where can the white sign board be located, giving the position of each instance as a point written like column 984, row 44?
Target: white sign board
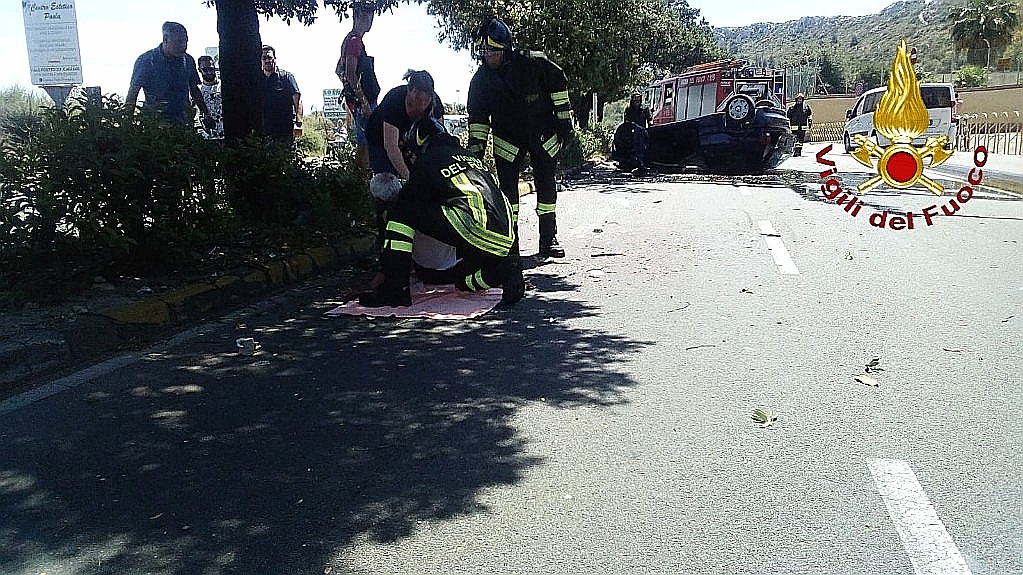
column 51, row 31
column 331, row 108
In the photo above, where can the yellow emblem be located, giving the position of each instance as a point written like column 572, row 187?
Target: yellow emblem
column 901, row 117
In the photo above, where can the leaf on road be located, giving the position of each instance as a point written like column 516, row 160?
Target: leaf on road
column 764, row 418
column 952, row 349
column 873, row 364
column 867, row 380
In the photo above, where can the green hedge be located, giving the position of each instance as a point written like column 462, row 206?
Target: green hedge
column 93, row 180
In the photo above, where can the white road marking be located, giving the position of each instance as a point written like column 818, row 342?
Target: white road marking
column 778, row 251
column 927, row 543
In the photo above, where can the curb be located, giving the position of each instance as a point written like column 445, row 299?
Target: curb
column 132, row 324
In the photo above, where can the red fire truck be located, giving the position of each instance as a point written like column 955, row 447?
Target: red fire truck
column 726, row 115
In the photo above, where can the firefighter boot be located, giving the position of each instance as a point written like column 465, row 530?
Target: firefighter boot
column 394, row 291
column 549, row 246
column 513, row 286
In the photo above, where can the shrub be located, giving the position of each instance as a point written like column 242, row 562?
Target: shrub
column 971, row 77
column 95, row 183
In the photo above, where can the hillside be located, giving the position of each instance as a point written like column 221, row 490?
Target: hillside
column 857, row 46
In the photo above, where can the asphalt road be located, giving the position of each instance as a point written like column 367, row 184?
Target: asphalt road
column 602, row 425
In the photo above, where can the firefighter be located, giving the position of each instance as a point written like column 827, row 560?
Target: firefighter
column 451, row 196
column 800, row 120
column 523, row 97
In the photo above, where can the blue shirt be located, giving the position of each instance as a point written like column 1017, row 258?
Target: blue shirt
column 166, row 82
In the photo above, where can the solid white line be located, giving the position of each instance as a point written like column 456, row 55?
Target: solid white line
column 777, row 248
column 927, row 543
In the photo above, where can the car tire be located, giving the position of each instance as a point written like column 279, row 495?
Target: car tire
column 847, row 140
column 739, row 109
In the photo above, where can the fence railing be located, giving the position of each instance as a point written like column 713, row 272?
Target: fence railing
column 999, row 132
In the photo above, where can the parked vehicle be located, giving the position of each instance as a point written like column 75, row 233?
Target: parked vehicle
column 726, row 115
column 940, row 100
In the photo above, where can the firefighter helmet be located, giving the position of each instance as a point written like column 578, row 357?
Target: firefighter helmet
column 494, row 35
column 420, row 133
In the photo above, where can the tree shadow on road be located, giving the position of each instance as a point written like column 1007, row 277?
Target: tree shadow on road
column 340, row 430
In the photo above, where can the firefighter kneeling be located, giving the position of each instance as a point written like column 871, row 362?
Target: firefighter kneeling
column 451, row 196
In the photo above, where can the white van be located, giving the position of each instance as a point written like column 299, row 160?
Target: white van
column 941, row 102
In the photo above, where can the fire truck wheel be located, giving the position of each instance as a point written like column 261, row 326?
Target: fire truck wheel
column 739, row 109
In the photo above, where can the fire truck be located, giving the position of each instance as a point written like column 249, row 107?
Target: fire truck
column 726, row 115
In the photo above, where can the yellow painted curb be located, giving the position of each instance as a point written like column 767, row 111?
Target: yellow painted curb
column 301, row 266
column 323, row 257
column 152, row 312
column 177, row 297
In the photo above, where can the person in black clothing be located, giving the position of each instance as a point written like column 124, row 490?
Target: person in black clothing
column 800, row 120
column 398, row 110
column 523, row 97
column 450, row 195
column 637, row 119
column 282, row 101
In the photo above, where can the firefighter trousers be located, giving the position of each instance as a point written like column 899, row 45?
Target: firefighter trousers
column 477, row 270
column 544, row 168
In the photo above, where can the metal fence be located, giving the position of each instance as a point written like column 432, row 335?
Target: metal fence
column 999, row 132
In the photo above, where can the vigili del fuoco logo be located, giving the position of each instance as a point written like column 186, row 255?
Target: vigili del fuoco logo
column 901, row 116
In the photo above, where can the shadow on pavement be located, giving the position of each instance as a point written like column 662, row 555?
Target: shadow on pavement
column 339, row 430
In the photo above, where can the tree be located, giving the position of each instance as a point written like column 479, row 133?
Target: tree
column 608, row 48
column 981, row 25
column 240, row 43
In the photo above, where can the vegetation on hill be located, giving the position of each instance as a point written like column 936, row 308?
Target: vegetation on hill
column 844, row 50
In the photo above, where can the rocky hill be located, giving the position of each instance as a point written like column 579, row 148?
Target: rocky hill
column 855, row 45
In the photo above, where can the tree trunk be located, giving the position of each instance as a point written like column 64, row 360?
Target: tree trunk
column 240, row 68
column 581, row 107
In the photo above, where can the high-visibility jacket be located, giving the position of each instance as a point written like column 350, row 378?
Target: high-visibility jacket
column 448, row 177
column 800, row 116
column 525, row 102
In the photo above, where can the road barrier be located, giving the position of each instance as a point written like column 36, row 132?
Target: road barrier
column 999, row 132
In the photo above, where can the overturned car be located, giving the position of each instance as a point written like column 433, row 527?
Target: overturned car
column 725, row 116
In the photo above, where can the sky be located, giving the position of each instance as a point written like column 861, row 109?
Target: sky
column 113, row 33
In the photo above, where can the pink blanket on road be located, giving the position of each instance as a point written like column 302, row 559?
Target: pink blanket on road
column 430, row 301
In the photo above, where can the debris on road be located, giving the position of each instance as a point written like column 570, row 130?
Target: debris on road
column 764, row 418
column 867, row 380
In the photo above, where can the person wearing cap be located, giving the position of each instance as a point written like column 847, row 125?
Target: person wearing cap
column 210, row 89
column 800, row 120
column 639, row 118
column 358, row 77
column 167, row 76
column 452, row 196
column 523, row 97
column 282, row 101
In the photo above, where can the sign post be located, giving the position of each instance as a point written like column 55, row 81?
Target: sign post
column 54, row 59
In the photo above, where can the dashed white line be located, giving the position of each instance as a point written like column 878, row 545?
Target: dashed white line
column 927, row 543
column 777, row 248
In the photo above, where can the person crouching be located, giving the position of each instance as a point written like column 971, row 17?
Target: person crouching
column 451, row 196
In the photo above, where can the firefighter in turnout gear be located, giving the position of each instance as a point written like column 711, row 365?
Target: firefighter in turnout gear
column 800, row 120
column 451, row 196
column 523, row 97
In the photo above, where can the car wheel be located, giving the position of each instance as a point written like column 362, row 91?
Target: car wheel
column 849, row 147
column 739, row 109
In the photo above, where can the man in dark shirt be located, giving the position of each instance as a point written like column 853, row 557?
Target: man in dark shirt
column 282, row 101
column 167, row 76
